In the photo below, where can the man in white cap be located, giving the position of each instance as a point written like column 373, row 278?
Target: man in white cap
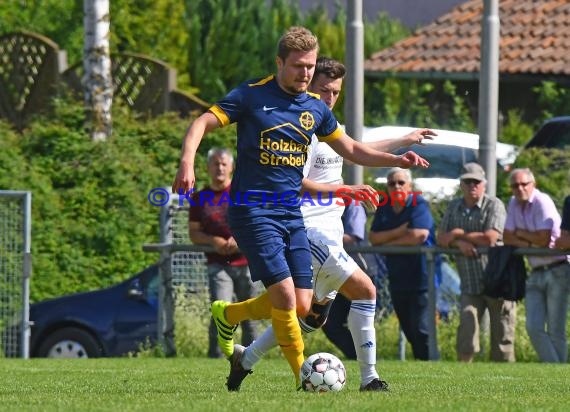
column 471, row 221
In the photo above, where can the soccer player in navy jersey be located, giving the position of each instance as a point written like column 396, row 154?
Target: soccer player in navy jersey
column 334, row 270
column 276, row 119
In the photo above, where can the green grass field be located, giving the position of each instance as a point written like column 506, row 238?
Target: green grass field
column 197, row 384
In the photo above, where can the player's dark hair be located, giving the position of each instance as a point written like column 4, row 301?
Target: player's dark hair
column 329, row 67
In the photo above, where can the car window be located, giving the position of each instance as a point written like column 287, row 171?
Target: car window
column 553, row 135
column 445, row 161
column 152, row 288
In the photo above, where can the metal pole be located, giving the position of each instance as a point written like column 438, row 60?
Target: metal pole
column 432, row 330
column 165, row 321
column 489, row 92
column 27, row 273
column 402, row 345
column 354, row 98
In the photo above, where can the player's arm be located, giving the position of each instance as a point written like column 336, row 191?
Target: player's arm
column 314, row 188
column 185, row 178
column 415, row 137
column 364, row 155
column 361, row 193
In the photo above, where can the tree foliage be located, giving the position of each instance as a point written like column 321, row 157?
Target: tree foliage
column 59, row 20
column 553, row 98
column 213, row 44
column 232, row 41
column 90, row 212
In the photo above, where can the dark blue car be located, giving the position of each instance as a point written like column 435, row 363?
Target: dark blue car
column 554, row 133
column 107, row 322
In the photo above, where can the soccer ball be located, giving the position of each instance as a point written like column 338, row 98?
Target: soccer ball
column 322, row 372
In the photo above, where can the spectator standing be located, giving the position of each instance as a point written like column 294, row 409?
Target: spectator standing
column 473, row 220
column 405, row 220
column 228, row 273
column 533, row 221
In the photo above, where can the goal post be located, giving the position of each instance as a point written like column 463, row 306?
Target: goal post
column 15, row 272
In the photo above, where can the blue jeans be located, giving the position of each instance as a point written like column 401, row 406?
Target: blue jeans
column 546, row 303
column 225, row 281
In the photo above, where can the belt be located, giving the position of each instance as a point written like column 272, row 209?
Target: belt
column 542, row 268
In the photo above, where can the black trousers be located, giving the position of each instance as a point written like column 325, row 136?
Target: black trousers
column 412, row 311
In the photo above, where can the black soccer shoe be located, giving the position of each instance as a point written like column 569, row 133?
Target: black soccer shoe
column 237, row 372
column 375, row 385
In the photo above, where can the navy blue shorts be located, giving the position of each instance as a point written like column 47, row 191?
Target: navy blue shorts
column 274, row 242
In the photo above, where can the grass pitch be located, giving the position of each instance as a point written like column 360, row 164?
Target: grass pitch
column 197, row 384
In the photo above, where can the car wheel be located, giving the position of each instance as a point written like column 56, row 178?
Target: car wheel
column 70, row 343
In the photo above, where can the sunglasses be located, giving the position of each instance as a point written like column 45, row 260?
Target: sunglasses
column 517, row 185
column 393, row 183
column 471, row 181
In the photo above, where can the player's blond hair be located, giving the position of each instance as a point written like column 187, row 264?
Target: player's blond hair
column 296, row 38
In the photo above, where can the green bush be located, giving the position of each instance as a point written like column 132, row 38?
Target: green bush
column 551, row 168
column 90, row 212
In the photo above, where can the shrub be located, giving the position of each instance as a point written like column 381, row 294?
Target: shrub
column 90, row 212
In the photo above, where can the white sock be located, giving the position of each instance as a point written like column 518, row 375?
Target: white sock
column 361, row 326
column 259, row 347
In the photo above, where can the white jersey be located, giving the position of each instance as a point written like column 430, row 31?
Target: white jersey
column 323, row 216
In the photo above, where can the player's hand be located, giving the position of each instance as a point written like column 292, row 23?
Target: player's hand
column 367, row 194
column 418, row 136
column 184, row 179
column 363, row 194
column 411, row 159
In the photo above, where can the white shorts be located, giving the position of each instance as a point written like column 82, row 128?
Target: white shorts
column 332, row 266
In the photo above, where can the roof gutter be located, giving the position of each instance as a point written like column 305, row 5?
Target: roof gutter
column 421, row 75
column 536, row 78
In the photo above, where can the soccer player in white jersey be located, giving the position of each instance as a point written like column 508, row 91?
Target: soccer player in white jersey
column 333, row 269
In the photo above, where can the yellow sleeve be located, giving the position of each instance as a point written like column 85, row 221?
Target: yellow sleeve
column 220, row 114
column 333, row 136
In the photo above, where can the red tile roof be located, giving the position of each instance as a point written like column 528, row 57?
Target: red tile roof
column 535, row 39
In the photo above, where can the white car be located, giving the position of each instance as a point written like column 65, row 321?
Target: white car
column 447, row 153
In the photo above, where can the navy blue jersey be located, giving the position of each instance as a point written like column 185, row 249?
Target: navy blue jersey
column 274, row 129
